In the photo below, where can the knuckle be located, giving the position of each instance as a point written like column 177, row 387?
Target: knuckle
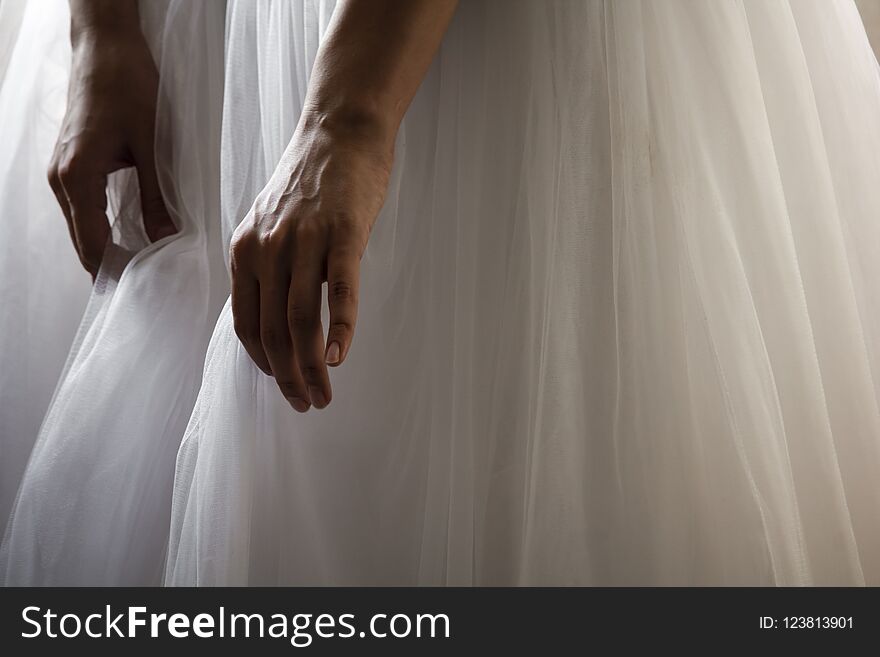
column 239, row 252
column 66, row 174
column 344, row 221
column 264, row 239
column 299, row 317
column 239, row 242
column 70, row 169
column 271, row 243
column 341, row 291
column 350, row 234
column 307, row 230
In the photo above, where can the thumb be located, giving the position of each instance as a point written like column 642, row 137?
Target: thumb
column 157, row 221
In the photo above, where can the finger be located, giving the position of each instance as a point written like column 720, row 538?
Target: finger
column 304, row 318
column 58, row 191
column 87, row 198
column 157, row 221
column 246, row 316
column 276, row 340
column 343, row 275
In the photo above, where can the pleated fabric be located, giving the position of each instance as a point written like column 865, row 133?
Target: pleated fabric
column 618, row 316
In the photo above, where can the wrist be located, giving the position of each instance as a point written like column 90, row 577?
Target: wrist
column 94, row 36
column 360, row 124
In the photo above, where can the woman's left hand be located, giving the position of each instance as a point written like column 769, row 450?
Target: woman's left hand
column 310, row 224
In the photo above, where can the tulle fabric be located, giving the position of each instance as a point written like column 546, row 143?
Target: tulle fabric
column 43, row 288
column 617, row 322
column 617, row 317
column 94, row 503
column 11, row 17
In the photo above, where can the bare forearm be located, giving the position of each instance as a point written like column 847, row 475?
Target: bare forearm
column 372, row 61
column 89, row 18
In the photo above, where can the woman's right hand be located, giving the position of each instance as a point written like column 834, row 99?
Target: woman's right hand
column 309, row 225
column 109, row 125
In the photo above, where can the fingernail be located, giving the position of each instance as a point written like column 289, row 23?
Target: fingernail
column 300, row 405
column 332, row 354
column 318, row 399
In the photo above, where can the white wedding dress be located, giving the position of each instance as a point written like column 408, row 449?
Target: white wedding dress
column 617, row 321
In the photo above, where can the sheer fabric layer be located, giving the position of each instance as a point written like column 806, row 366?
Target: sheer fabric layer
column 43, row 288
column 94, row 502
column 617, row 318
